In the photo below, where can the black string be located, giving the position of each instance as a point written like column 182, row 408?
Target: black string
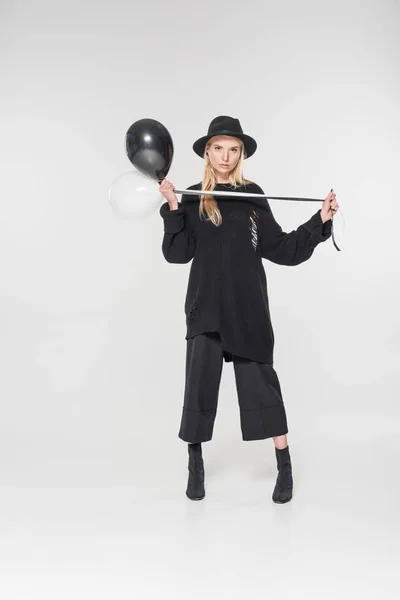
column 333, row 238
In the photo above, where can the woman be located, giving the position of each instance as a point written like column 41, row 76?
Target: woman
column 227, row 310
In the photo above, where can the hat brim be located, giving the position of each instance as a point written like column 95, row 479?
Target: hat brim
column 250, row 144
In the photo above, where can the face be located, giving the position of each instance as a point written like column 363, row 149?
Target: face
column 224, row 153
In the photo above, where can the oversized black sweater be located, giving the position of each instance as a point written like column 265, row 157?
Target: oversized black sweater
column 227, row 287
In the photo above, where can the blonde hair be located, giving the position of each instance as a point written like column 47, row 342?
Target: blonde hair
column 208, row 208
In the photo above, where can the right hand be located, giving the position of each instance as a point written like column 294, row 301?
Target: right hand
column 167, row 190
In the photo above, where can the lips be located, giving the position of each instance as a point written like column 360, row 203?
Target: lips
column 224, row 165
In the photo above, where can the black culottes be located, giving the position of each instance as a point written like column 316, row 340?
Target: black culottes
column 262, row 411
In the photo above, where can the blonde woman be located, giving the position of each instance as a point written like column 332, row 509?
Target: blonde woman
column 226, row 306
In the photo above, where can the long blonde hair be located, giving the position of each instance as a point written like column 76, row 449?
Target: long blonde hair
column 208, row 208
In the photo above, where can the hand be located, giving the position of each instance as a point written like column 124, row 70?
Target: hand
column 329, row 207
column 167, row 190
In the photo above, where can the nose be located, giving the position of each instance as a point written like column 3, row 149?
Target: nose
column 225, row 157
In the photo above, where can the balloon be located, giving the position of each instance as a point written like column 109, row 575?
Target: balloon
column 149, row 147
column 135, row 196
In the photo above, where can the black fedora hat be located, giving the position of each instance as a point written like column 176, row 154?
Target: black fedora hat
column 226, row 126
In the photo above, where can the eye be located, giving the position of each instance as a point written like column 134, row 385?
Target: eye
column 234, row 150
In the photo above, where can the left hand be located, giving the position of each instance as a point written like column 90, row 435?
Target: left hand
column 329, row 207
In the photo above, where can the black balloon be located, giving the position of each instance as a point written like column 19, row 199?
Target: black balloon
column 149, row 147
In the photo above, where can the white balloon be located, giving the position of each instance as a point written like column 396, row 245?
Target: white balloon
column 134, row 195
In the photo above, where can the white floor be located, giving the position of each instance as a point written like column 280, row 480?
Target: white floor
column 115, row 522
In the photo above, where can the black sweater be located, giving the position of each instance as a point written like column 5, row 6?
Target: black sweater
column 227, row 287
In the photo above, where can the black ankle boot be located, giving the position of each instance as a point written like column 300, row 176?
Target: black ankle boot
column 195, row 487
column 284, row 483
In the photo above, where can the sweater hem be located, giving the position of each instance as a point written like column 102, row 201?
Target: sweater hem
column 229, row 354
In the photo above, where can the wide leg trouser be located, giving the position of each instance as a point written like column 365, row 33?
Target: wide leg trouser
column 262, row 410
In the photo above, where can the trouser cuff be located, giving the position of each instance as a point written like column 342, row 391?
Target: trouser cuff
column 263, row 423
column 197, row 426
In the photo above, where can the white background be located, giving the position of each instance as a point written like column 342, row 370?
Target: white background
column 93, row 474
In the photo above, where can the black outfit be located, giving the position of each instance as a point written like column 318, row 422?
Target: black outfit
column 226, row 306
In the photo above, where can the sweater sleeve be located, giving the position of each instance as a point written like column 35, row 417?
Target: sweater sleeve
column 179, row 243
column 291, row 248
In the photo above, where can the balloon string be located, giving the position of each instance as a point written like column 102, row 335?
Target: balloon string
column 264, row 196
column 333, row 231
column 231, row 194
